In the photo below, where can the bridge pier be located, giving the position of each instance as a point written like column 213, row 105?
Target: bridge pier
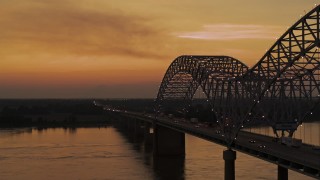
column 282, row 173
column 229, row 157
column 168, row 142
column 140, row 125
column 148, row 136
column 135, row 127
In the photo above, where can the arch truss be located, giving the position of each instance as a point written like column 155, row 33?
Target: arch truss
column 283, row 87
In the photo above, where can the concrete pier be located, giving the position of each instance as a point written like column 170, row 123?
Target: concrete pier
column 148, row 135
column 168, row 142
column 282, row 173
column 229, row 157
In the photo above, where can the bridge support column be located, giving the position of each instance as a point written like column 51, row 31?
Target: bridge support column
column 168, row 142
column 148, row 136
column 139, row 128
column 282, row 173
column 229, row 157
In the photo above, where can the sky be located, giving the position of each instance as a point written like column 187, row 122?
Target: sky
column 121, row 49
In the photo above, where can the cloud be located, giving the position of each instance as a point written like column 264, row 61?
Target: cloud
column 141, row 90
column 67, row 28
column 226, row 32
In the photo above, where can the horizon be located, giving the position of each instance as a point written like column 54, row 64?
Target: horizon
column 95, row 49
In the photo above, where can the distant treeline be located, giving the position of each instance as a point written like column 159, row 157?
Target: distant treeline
column 66, row 112
column 137, row 105
column 49, row 112
column 199, row 108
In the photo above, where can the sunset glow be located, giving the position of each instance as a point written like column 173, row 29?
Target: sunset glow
column 111, row 49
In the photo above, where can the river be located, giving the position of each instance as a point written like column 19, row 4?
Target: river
column 111, row 153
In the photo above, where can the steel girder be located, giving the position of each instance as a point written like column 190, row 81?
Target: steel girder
column 282, row 87
column 211, row 73
column 288, row 75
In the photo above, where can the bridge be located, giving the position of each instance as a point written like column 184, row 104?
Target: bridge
column 168, row 140
column 282, row 88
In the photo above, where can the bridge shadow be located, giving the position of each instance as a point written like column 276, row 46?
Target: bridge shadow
column 169, row 168
column 163, row 167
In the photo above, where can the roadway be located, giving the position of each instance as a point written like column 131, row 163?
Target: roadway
column 304, row 159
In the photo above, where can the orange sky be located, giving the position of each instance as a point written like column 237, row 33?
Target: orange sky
column 115, row 48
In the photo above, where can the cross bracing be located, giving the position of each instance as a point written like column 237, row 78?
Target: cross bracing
column 282, row 87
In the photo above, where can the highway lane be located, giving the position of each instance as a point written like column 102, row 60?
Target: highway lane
column 303, row 159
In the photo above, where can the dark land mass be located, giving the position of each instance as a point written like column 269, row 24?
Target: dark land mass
column 85, row 112
column 94, row 112
column 50, row 113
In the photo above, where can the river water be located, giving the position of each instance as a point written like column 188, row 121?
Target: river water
column 111, row 153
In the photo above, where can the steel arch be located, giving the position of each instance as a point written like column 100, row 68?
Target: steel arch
column 283, row 85
column 187, row 73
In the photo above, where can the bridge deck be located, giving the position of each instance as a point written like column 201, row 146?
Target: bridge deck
column 304, row 159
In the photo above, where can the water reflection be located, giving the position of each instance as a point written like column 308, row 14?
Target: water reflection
column 114, row 153
column 67, row 130
column 14, row 131
column 169, row 168
column 70, row 130
column 164, row 167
